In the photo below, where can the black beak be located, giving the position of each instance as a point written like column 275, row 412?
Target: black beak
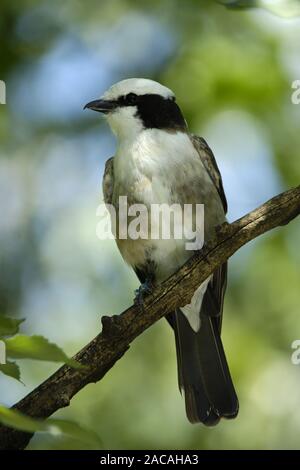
column 102, row 106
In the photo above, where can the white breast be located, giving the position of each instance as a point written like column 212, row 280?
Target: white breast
column 147, row 169
column 156, row 157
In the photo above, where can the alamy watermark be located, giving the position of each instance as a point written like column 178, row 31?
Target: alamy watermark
column 2, row 92
column 2, row 352
column 295, row 357
column 295, row 98
column 153, row 222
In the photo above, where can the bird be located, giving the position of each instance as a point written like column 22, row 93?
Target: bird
column 158, row 161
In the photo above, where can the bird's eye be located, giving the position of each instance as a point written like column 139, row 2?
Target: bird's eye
column 131, row 98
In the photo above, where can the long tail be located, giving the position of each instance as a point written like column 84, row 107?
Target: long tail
column 203, row 372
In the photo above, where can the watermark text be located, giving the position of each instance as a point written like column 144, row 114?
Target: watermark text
column 153, row 222
column 2, row 92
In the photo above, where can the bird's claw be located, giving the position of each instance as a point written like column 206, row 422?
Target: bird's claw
column 144, row 289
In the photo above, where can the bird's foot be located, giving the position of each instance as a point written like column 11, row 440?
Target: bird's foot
column 144, row 289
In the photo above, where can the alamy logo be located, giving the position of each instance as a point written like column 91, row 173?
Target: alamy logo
column 153, row 222
column 295, row 98
column 2, row 92
column 2, row 352
column 295, row 357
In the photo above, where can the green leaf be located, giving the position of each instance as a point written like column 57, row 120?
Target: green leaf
column 37, row 347
column 9, row 326
column 56, row 427
column 17, row 420
column 11, row 369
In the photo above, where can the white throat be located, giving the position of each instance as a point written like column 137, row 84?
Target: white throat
column 125, row 124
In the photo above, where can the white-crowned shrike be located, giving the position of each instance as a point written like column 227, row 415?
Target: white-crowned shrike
column 158, row 161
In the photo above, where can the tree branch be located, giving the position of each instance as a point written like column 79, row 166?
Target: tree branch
column 119, row 331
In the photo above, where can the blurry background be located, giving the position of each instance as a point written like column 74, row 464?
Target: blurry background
column 232, row 72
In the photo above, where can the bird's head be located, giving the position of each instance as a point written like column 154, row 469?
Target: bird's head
column 135, row 104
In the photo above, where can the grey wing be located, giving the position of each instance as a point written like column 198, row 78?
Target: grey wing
column 108, row 181
column 209, row 161
column 216, row 288
column 203, row 371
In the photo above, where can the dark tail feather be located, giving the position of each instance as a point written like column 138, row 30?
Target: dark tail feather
column 203, row 372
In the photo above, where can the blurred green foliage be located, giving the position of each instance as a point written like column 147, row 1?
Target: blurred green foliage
column 17, row 420
column 232, row 72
